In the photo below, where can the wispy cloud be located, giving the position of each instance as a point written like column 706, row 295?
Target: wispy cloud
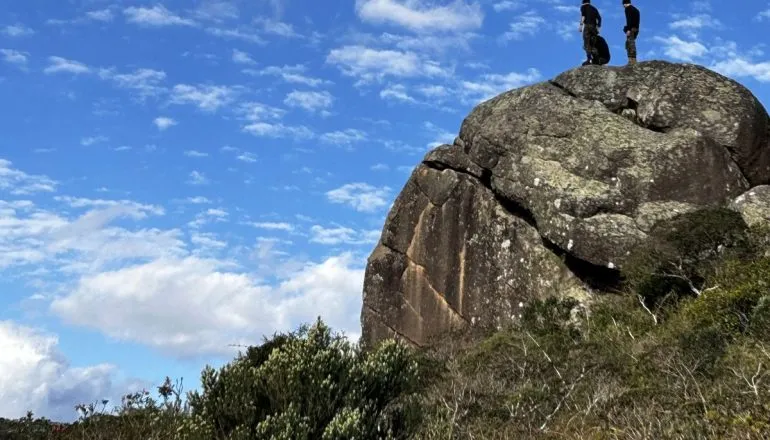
column 16, row 57
column 276, row 28
column 163, row 122
column 311, row 101
column 206, row 97
column 525, row 25
column 198, row 178
column 342, row 235
column 103, row 15
column 274, row 226
column 278, row 130
column 145, row 82
column 155, row 16
column 682, row 50
column 344, row 137
column 290, row 74
column 93, row 140
column 17, row 182
column 420, row 15
column 374, row 64
column 236, row 34
column 360, row 196
column 63, row 65
column 17, row 30
column 241, row 57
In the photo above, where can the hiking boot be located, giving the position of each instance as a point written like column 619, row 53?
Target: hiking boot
column 631, row 61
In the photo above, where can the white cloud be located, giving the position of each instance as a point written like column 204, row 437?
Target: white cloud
column 433, row 91
column 525, row 25
column 344, row 137
column 439, row 43
column 194, row 306
column 379, row 167
column 17, row 30
column 217, row 11
column 236, row 34
column 247, row 157
column 197, row 178
column 155, row 16
column 507, row 5
column 490, row 85
column 370, row 64
column 195, row 153
column 83, row 243
column 163, row 122
column 256, row 111
column 18, row 182
column 274, row 226
column 14, row 57
column 206, row 97
column 310, row 101
column 396, row 92
column 240, row 57
column 59, row 64
column 422, row 16
column 208, row 216
column 342, row 235
column 103, row 15
column 35, row 376
column 764, row 15
column 93, row 140
column 740, row 67
column 265, row 129
column 360, row 196
column 146, row 82
column 207, row 241
column 290, row 74
column 681, row 50
column 198, row 200
column 439, row 135
column 696, row 22
column 276, row 28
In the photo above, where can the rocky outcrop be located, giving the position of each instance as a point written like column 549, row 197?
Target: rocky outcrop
column 548, row 188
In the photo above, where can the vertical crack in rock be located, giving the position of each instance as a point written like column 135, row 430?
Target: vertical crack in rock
column 593, row 275
column 424, row 271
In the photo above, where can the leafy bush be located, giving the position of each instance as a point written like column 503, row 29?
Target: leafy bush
column 309, row 385
column 682, row 254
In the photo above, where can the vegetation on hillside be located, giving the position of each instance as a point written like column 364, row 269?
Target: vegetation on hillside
column 683, row 353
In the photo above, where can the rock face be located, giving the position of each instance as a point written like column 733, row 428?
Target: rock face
column 548, row 188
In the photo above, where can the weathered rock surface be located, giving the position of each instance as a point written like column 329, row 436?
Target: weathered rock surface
column 548, row 187
column 754, row 206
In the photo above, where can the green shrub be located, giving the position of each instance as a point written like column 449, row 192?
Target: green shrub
column 683, row 252
column 310, row 385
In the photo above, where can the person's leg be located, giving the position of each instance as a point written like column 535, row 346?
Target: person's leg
column 588, row 41
column 631, row 45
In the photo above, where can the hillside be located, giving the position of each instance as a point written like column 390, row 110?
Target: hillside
column 590, row 259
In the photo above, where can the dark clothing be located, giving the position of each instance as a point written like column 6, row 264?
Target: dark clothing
column 631, row 43
column 602, row 51
column 632, row 18
column 590, row 33
column 591, row 14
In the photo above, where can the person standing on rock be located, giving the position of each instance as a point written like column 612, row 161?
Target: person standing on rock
column 631, row 30
column 602, row 55
column 590, row 25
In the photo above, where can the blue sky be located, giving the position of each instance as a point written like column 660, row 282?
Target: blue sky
column 180, row 177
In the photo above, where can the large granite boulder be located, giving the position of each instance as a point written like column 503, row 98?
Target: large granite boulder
column 548, row 188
